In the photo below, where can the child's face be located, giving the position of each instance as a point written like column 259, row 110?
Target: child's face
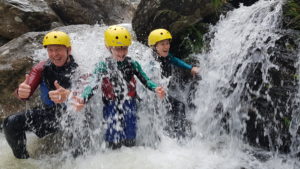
column 163, row 47
column 119, row 52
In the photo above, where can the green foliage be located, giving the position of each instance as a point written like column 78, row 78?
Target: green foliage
column 218, row 3
column 286, row 121
column 292, row 14
column 190, row 40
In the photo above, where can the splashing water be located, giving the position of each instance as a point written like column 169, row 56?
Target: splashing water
column 233, row 38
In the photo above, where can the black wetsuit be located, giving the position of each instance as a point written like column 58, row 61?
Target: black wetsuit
column 44, row 119
column 177, row 124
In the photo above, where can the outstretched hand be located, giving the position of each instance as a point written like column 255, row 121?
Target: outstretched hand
column 59, row 95
column 77, row 103
column 195, row 71
column 160, row 91
column 24, row 89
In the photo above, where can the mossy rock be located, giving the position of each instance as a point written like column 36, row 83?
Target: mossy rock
column 187, row 21
column 291, row 14
column 189, row 40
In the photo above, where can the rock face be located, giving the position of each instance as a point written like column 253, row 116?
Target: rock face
column 236, row 3
column 18, row 17
column 273, row 110
column 184, row 19
column 273, row 122
column 15, row 60
column 93, row 11
column 187, row 20
column 291, row 15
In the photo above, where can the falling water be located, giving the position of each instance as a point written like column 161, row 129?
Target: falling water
column 237, row 34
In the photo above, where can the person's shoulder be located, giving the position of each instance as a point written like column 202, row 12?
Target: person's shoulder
column 170, row 55
column 40, row 65
column 134, row 62
column 100, row 67
column 101, row 64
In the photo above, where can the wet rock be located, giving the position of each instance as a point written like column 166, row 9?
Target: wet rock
column 93, row 11
column 186, row 20
column 15, row 60
column 3, row 41
column 291, row 15
column 271, row 110
column 269, row 100
column 237, row 3
column 19, row 17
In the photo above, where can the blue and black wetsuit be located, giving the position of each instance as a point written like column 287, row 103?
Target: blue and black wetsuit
column 119, row 98
column 44, row 119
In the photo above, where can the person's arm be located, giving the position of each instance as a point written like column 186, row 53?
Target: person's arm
column 180, row 63
column 146, row 81
column 31, row 82
column 93, row 81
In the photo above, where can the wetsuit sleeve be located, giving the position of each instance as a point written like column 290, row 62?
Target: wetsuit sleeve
column 35, row 77
column 93, row 81
column 146, row 81
column 180, row 63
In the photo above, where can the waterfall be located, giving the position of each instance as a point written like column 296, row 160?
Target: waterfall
column 241, row 39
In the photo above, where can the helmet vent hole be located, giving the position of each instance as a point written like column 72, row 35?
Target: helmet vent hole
column 125, row 37
column 117, row 37
column 55, row 37
column 161, row 33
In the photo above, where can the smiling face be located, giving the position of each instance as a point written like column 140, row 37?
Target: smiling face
column 58, row 54
column 119, row 52
column 163, row 47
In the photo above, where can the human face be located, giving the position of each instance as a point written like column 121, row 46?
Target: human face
column 163, row 47
column 119, row 52
column 58, row 54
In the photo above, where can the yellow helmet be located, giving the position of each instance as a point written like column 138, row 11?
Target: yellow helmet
column 57, row 38
column 158, row 35
column 117, row 36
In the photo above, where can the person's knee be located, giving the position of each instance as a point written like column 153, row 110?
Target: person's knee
column 8, row 124
column 12, row 123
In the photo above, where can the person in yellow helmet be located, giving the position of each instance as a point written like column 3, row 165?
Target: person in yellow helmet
column 116, row 76
column 159, row 41
column 53, row 76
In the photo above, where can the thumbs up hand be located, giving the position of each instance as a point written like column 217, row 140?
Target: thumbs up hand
column 78, row 103
column 24, row 88
column 59, row 95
